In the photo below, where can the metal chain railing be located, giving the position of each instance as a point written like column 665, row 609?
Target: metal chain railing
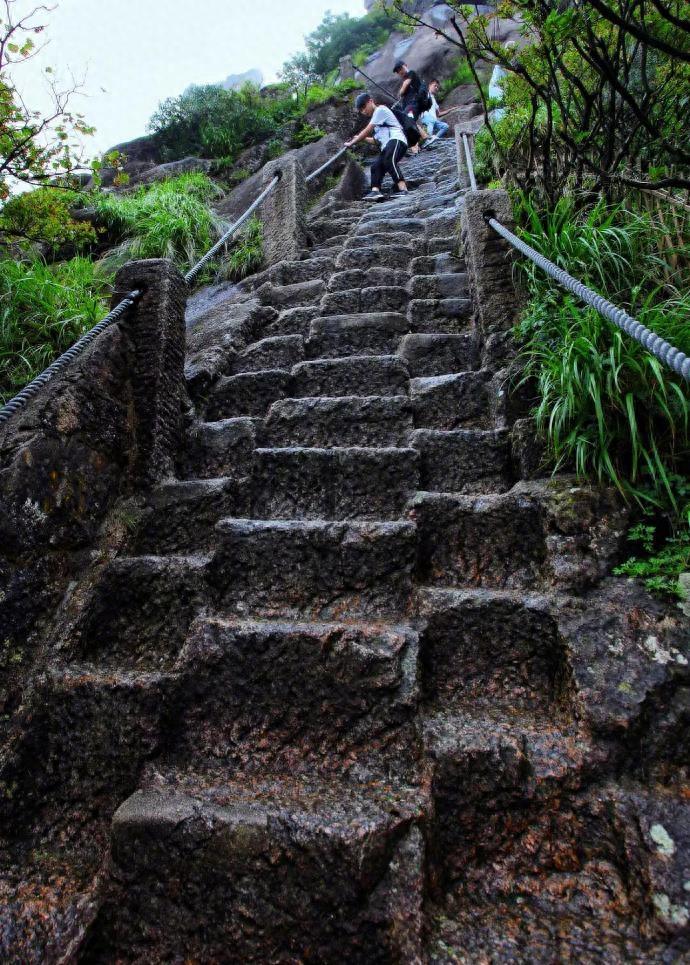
column 676, row 360
column 21, row 400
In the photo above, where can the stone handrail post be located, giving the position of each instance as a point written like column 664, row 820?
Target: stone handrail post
column 284, row 211
column 464, row 127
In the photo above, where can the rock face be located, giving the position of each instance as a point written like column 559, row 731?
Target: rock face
column 354, row 690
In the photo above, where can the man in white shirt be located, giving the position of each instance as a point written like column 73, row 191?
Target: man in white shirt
column 386, row 130
column 435, row 127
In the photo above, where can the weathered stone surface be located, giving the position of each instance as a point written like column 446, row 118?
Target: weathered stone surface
column 339, row 336
column 278, row 352
column 220, row 449
column 378, row 299
column 317, row 568
column 451, row 401
column 352, row 483
column 346, row 421
column 247, row 394
column 356, row 375
column 283, row 211
column 464, row 460
column 432, row 355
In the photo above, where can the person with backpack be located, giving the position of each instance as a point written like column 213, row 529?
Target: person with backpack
column 387, row 130
column 413, row 97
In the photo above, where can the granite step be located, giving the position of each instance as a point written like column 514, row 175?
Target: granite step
column 276, row 352
column 265, row 696
column 248, row 394
column 433, row 355
column 292, row 296
column 180, row 517
column 443, row 316
column 357, row 278
column 284, row 568
column 338, row 484
column 440, row 285
column 387, row 298
column 464, row 460
column 292, row 321
column 343, row 421
column 453, row 401
column 494, row 541
column 387, row 255
column 137, row 614
column 369, row 333
column 339, row 865
column 354, row 375
column 215, row 449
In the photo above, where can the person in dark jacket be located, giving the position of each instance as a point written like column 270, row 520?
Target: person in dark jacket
column 409, row 96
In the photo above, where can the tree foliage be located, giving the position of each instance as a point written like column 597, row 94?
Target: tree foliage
column 34, row 147
column 597, row 92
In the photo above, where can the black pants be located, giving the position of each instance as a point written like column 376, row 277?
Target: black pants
column 388, row 163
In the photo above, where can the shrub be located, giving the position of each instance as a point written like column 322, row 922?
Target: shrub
column 45, row 216
column 307, row 134
column 606, row 405
column 462, row 74
column 43, row 311
column 247, row 254
column 168, row 219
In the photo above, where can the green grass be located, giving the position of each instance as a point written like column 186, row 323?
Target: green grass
column 44, row 309
column 170, row 219
column 606, row 405
column 247, row 254
column 462, row 74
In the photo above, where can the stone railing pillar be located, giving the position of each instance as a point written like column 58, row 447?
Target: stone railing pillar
column 347, row 69
column 156, row 328
column 489, row 261
column 284, row 211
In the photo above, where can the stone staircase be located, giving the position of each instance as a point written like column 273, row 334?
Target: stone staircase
column 348, row 693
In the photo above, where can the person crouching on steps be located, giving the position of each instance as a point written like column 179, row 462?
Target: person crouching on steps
column 384, row 129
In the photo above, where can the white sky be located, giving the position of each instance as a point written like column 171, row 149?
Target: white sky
column 135, row 53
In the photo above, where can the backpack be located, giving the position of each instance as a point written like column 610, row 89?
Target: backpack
column 408, row 125
column 424, row 101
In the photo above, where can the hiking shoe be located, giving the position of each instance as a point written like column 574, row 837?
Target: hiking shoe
column 374, row 196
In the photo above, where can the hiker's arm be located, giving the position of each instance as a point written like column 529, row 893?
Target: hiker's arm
column 405, row 85
column 362, row 136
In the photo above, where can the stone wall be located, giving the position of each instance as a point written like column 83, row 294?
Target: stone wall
column 109, row 423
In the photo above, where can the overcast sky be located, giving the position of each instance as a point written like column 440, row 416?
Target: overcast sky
column 135, row 53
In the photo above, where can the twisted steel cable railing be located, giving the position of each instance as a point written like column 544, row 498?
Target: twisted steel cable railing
column 672, row 357
column 22, row 399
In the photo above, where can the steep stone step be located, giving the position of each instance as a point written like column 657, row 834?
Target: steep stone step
column 292, row 321
column 325, row 871
column 248, row 394
column 493, row 541
column 339, row 336
column 329, row 569
column 278, row 352
column 296, row 272
column 436, row 285
column 344, row 421
column 368, row 278
column 464, row 460
column 272, row 696
column 452, row 401
column 292, row 296
column 215, row 449
column 489, row 771
column 330, row 247
column 355, row 375
column 487, row 649
column 137, row 614
column 443, row 245
column 377, row 238
column 443, row 224
column 383, row 222
column 327, row 229
column 378, row 299
column 444, row 264
column 450, row 316
column 431, row 355
column 180, row 517
column 342, row 484
column 387, row 255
